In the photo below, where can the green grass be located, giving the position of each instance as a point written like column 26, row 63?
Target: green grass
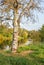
column 34, row 47
column 20, row 60
column 35, row 58
column 13, row 60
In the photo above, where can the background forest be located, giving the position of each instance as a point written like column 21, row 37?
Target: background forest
column 6, row 36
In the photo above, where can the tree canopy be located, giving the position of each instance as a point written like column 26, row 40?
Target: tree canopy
column 24, row 8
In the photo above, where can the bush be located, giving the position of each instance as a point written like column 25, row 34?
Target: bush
column 20, row 49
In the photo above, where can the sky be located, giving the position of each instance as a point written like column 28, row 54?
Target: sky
column 37, row 25
column 33, row 26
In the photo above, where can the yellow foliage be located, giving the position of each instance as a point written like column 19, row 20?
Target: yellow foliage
column 1, row 39
column 19, row 38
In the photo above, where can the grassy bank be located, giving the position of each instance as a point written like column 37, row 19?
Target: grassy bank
column 35, row 47
column 35, row 58
column 30, row 59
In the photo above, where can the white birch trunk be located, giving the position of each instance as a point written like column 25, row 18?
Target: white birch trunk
column 15, row 32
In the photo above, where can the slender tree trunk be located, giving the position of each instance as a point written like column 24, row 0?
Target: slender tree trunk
column 15, row 32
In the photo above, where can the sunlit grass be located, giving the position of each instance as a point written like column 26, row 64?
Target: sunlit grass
column 34, row 58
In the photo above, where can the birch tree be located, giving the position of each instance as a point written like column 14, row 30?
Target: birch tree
column 21, row 8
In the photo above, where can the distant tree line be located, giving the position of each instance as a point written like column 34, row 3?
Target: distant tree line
column 6, row 35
